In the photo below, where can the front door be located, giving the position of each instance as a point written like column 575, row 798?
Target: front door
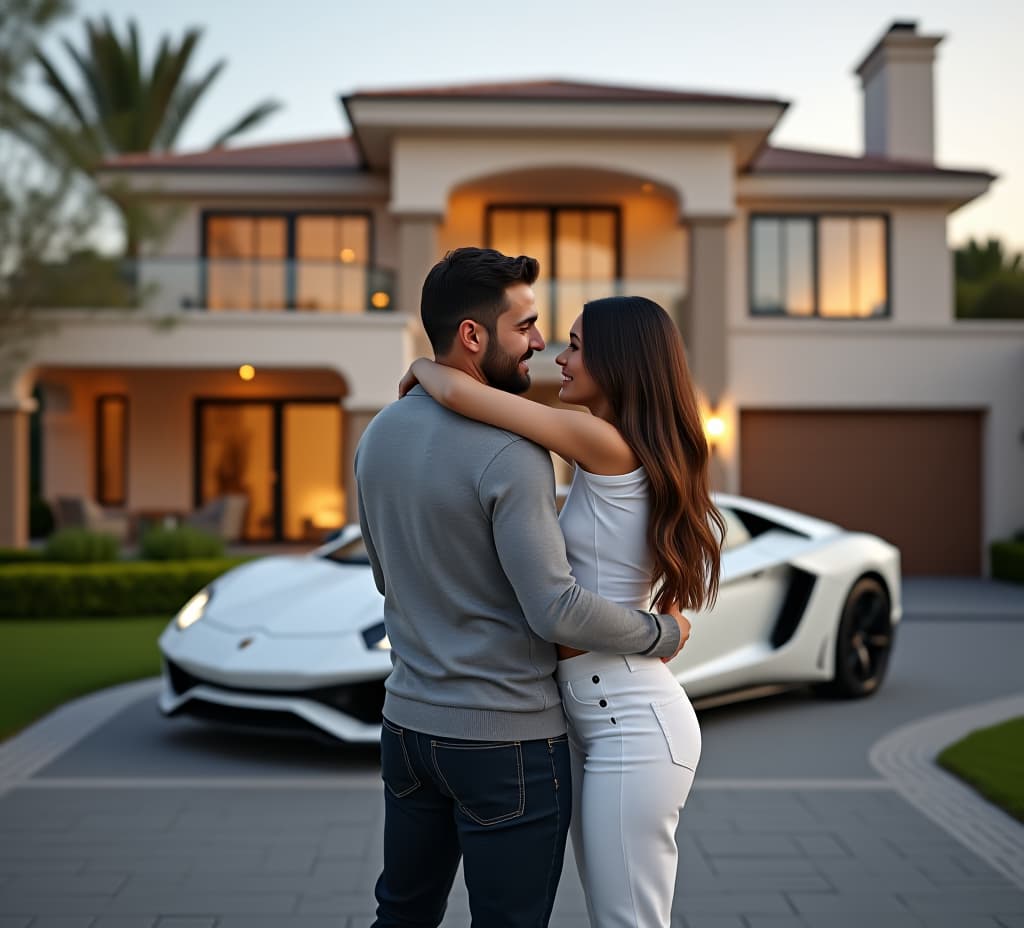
column 284, row 456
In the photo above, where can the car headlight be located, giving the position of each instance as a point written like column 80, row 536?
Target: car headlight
column 376, row 638
column 193, row 610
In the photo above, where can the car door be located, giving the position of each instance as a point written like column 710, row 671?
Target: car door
column 735, row 634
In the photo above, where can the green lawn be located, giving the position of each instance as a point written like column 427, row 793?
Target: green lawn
column 44, row 662
column 992, row 761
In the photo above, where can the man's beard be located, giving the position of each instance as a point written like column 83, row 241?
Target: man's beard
column 502, row 370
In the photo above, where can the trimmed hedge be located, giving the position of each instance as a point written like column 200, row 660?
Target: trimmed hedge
column 128, row 588
column 1008, row 560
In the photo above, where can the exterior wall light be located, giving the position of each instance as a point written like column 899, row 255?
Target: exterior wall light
column 380, row 300
column 247, row 372
column 714, row 427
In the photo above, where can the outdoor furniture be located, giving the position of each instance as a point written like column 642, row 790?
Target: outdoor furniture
column 223, row 516
column 81, row 512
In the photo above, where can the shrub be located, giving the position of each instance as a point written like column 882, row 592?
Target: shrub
column 1008, row 560
column 127, row 588
column 184, row 543
column 80, row 546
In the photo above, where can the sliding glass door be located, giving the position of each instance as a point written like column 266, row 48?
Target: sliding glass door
column 284, row 456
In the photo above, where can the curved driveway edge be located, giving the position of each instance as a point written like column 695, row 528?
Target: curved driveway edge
column 45, row 740
column 906, row 758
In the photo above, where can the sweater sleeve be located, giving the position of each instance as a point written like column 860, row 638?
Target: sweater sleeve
column 517, row 492
column 364, row 526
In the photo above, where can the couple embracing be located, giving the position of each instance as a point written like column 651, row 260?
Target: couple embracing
column 529, row 696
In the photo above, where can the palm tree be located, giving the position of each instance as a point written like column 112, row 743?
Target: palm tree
column 121, row 106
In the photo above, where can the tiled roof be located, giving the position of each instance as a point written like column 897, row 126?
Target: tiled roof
column 560, row 90
column 772, row 160
column 338, row 153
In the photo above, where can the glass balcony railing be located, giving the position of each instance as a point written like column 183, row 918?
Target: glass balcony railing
column 560, row 301
column 176, row 285
column 225, row 285
column 168, row 285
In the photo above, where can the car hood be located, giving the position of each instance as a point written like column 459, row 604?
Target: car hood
column 295, row 596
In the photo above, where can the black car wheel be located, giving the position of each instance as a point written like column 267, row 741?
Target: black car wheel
column 863, row 642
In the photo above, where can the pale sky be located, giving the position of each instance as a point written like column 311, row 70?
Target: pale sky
column 308, row 52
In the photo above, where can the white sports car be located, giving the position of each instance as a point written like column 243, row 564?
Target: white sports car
column 298, row 642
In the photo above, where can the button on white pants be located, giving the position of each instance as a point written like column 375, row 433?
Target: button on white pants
column 635, row 742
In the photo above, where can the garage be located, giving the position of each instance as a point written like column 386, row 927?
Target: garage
column 911, row 477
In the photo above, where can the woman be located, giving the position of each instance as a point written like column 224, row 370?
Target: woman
column 638, row 518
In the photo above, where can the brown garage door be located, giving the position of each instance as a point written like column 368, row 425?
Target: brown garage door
column 914, row 478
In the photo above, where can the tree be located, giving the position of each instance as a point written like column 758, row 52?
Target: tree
column 121, row 106
column 989, row 281
column 979, row 262
column 31, row 191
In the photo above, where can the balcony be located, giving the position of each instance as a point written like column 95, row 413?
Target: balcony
column 167, row 286
column 226, row 285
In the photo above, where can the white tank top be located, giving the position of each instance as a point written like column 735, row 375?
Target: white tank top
column 604, row 521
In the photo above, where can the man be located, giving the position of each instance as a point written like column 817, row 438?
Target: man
column 460, row 526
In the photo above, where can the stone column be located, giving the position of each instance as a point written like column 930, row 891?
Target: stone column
column 705, row 323
column 417, row 254
column 14, row 452
column 706, row 316
column 354, row 423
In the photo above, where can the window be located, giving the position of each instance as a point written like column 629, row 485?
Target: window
column 112, row 450
column 579, row 252
column 828, row 266
column 308, row 261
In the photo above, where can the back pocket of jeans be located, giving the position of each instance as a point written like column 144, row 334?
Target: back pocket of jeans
column 395, row 767
column 678, row 723
column 486, row 780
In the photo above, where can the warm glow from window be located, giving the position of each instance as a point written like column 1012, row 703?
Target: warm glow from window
column 380, row 300
column 347, row 255
column 247, row 372
column 327, row 518
column 714, row 426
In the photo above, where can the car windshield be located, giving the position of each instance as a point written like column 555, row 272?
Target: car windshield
column 736, row 534
column 354, row 552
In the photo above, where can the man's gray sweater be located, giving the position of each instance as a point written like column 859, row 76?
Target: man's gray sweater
column 460, row 525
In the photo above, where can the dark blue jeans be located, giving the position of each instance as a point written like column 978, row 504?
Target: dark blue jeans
column 503, row 806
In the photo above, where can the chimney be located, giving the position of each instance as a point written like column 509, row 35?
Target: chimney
column 899, row 96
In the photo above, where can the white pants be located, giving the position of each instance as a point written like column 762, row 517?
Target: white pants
column 634, row 742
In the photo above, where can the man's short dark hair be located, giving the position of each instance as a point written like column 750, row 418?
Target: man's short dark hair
column 470, row 283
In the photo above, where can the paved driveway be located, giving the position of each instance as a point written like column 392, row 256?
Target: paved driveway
column 148, row 822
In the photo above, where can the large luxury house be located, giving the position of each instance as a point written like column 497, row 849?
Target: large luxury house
column 814, row 291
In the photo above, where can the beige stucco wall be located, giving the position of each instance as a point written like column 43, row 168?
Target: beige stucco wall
column 776, row 365
column 426, row 170
column 369, row 351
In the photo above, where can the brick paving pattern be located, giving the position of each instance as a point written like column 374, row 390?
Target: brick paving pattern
column 288, row 858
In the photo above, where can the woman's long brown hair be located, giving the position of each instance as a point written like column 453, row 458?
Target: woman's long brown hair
column 635, row 353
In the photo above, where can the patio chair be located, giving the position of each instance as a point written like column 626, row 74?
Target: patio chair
column 81, row 512
column 223, row 516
